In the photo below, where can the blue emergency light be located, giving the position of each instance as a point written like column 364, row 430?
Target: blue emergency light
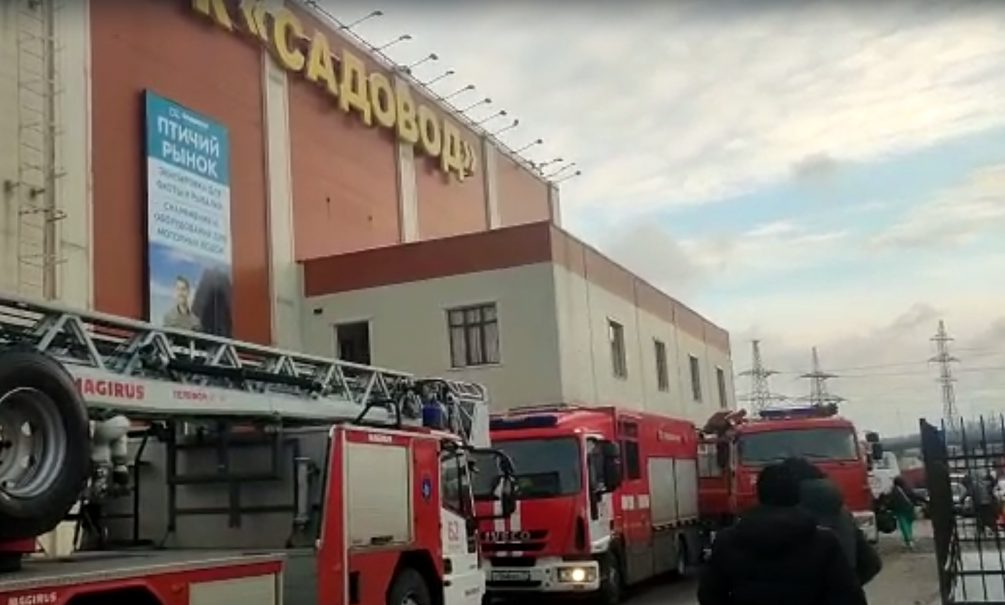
column 813, row 411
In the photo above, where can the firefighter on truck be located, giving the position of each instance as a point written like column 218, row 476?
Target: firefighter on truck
column 197, row 470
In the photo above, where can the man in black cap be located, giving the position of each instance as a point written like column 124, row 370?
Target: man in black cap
column 777, row 554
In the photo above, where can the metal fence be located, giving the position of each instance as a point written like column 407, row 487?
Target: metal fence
column 964, row 462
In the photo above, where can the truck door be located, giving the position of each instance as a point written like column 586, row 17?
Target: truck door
column 600, row 499
column 464, row 581
column 635, row 517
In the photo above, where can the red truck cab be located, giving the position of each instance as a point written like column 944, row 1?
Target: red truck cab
column 605, row 498
column 737, row 449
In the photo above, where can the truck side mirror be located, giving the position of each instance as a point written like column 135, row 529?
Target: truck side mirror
column 504, row 486
column 610, row 455
column 875, row 446
column 877, row 451
column 507, row 494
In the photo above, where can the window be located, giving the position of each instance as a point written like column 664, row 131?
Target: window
column 631, row 454
column 545, row 468
column 817, row 445
column 662, row 375
column 454, row 488
column 616, row 334
column 629, row 432
column 352, row 342
column 474, row 335
column 720, row 377
column 708, row 460
column 695, row 378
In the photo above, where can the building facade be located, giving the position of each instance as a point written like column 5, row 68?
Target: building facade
column 530, row 311
column 315, row 168
column 252, row 170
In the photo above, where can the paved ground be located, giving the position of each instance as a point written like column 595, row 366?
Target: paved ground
column 908, row 578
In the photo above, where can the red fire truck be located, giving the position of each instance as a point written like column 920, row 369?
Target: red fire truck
column 605, row 498
column 202, row 470
column 736, row 448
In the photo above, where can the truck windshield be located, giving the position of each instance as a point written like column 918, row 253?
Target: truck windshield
column 812, row 444
column 544, row 468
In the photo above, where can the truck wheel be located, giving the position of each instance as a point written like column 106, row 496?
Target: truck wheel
column 44, row 443
column 612, row 583
column 409, row 588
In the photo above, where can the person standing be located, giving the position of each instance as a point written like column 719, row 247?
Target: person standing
column 820, row 497
column 776, row 554
column 902, row 505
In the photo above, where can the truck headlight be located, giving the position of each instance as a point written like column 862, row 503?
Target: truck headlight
column 577, row 575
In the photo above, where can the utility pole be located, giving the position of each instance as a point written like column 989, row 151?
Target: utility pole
column 760, row 395
column 945, row 361
column 818, row 385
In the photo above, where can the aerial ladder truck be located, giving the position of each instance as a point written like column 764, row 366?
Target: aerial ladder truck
column 195, row 469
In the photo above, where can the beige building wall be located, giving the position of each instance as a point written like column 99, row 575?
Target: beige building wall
column 553, row 332
column 44, row 170
column 408, row 329
column 583, row 310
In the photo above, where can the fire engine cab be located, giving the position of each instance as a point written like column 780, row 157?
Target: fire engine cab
column 186, row 469
column 605, row 498
column 735, row 449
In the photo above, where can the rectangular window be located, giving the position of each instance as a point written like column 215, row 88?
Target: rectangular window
column 708, row 460
column 474, row 335
column 662, row 375
column 695, row 378
column 616, row 335
column 720, row 377
column 630, row 451
column 353, row 342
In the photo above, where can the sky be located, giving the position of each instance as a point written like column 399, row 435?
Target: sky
column 826, row 174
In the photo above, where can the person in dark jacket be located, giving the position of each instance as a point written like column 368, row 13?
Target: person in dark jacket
column 777, row 555
column 820, row 497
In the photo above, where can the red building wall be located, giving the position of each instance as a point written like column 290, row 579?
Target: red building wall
column 523, row 198
column 345, row 187
column 163, row 46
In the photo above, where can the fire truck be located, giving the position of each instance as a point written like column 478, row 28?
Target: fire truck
column 190, row 469
column 605, row 498
column 735, row 448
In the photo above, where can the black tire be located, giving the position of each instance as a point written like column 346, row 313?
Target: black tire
column 409, row 585
column 612, row 582
column 27, row 515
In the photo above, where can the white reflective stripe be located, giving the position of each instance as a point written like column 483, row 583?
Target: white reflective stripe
column 644, row 501
column 514, row 524
column 498, row 524
column 628, row 502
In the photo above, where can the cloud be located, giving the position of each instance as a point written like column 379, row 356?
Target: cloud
column 953, row 217
column 652, row 252
column 768, row 249
column 815, row 167
column 687, row 102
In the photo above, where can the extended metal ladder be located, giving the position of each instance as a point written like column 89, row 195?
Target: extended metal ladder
column 129, row 367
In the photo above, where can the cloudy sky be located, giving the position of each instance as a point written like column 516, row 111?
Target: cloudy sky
column 808, row 173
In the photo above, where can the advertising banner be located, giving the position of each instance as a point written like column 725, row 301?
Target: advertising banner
column 188, row 219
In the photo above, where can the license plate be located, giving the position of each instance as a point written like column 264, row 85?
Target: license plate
column 510, row 576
